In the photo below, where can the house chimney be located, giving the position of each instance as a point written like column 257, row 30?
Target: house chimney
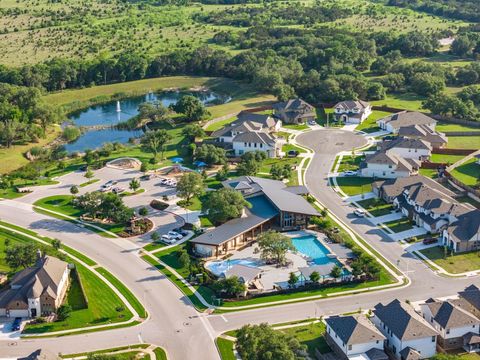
column 39, row 255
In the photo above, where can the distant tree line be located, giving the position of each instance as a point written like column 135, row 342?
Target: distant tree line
column 456, row 9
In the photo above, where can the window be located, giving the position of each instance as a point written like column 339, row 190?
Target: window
column 448, row 331
column 349, row 347
column 433, row 338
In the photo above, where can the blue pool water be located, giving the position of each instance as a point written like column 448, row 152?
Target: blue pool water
column 314, row 249
column 219, row 267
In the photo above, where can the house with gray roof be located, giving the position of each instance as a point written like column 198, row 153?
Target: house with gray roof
column 294, row 111
column 407, row 148
column 352, row 111
column 404, row 328
column 437, row 139
column 463, row 233
column 350, row 336
column 274, row 205
column 469, row 299
column 393, row 123
column 36, row 291
column 388, row 165
column 451, row 321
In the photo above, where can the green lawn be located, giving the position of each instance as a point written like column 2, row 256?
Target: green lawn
column 205, row 221
column 355, row 185
column 90, row 182
column 376, row 206
column 288, row 147
column 445, row 127
column 400, row 225
column 464, row 142
column 61, row 204
column 430, row 173
column 448, row 159
column 105, row 351
column 225, row 348
column 454, row 264
column 220, row 124
column 408, row 101
column 160, row 353
column 468, row 173
column 267, row 164
column 370, row 124
column 194, row 205
column 154, row 246
column 299, row 127
column 350, row 163
column 131, row 298
column 311, row 335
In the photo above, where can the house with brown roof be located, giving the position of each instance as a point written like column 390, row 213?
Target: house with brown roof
column 294, row 111
column 437, row 139
column 407, row 148
column 405, row 331
column 451, row 321
column 36, row 291
column 349, row 336
column 352, row 111
column 393, row 123
column 388, row 165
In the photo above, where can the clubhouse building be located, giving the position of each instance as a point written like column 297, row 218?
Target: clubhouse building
column 274, row 206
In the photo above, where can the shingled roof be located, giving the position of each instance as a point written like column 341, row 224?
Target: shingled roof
column 448, row 315
column 403, row 321
column 394, row 187
column 354, row 329
column 407, row 118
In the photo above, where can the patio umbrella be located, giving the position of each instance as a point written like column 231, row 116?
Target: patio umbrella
column 177, row 160
column 200, row 164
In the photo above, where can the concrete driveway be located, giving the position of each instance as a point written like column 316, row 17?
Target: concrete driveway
column 6, row 332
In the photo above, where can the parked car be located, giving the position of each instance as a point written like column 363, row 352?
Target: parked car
column 292, row 153
column 163, row 181
column 145, row 177
column 167, row 239
column 118, row 190
column 312, row 122
column 16, row 324
column 108, row 185
column 181, row 231
column 175, row 235
column 428, row 241
column 350, row 173
column 359, row 212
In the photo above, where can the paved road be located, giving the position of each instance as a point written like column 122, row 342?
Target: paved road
column 174, row 323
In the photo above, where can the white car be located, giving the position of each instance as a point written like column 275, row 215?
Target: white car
column 350, row 173
column 175, row 235
column 118, row 190
column 359, row 212
column 167, row 239
column 109, row 184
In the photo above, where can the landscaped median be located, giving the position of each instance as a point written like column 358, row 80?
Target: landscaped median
column 134, row 351
column 99, row 301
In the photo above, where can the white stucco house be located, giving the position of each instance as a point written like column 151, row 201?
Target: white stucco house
column 36, row 291
column 257, row 141
column 406, row 331
column 451, row 322
column 388, row 165
column 351, row 336
column 408, row 148
column 352, row 112
column 393, row 123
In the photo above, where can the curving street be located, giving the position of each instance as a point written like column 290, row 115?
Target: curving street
column 173, row 323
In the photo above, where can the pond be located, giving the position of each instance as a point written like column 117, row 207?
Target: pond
column 114, row 112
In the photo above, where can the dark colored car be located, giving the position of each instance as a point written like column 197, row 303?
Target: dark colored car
column 292, row 153
column 16, row 324
column 181, row 231
column 428, row 241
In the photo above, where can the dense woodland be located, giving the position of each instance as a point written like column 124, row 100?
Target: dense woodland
column 456, row 9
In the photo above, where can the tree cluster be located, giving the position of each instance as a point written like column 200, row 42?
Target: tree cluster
column 104, row 206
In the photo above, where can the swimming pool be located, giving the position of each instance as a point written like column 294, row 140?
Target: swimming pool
column 219, row 267
column 310, row 246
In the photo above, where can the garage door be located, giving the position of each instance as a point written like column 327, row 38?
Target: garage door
column 3, row 312
column 19, row 313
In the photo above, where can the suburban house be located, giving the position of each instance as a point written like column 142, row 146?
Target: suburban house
column 251, row 132
column 407, row 148
column 407, row 333
column 437, row 139
column 352, row 112
column 452, row 322
column 36, row 291
column 274, row 206
column 469, row 299
column 354, row 336
column 388, row 165
column 294, row 111
column 463, row 233
column 393, row 123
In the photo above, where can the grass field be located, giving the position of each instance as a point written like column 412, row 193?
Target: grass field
column 311, row 335
column 370, row 124
column 445, row 127
column 401, row 101
column 454, row 264
column 464, row 142
column 468, row 173
column 430, row 173
column 354, row 185
column 442, row 158
column 61, row 204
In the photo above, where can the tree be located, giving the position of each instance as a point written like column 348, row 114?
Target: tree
column 64, row 312
column 113, row 208
column 74, row 190
column 280, row 172
column 183, row 258
column 155, row 141
column 292, row 280
column 191, row 107
column 314, row 277
column 144, row 167
column 134, row 184
column 274, row 246
column 261, row 342
column 143, row 211
column 461, row 46
column 223, row 205
column 250, row 163
column 21, row 255
column 231, row 286
column 155, row 112
column 193, row 131
column 426, row 84
column 155, row 237
column 211, row 154
column 89, row 173
column 336, row 272
column 56, row 244
column 190, row 185
column 222, row 174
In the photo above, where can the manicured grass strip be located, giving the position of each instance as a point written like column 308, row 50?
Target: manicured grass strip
column 298, row 127
column 61, row 204
column 456, row 263
column 87, row 331
column 220, row 124
column 153, row 246
column 78, row 255
column 354, row 185
column 376, row 207
column 136, row 304
column 90, row 182
column 160, row 353
column 400, row 225
column 197, row 303
column 290, row 147
column 350, row 163
column 311, row 335
column 105, row 351
column 468, row 173
column 464, row 142
column 225, row 348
